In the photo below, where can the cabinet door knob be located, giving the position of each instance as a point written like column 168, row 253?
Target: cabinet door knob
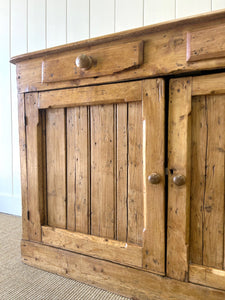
column 154, row 178
column 84, row 61
column 179, row 179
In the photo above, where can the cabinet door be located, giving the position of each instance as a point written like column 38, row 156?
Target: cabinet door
column 90, row 152
column 196, row 158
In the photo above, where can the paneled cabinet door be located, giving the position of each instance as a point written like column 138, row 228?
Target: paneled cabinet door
column 195, row 249
column 94, row 171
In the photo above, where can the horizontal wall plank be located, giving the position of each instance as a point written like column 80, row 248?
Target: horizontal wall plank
column 91, row 245
column 106, row 94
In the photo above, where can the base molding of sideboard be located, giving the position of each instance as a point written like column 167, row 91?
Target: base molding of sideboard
column 117, row 278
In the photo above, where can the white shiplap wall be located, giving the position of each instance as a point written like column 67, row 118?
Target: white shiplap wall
column 29, row 25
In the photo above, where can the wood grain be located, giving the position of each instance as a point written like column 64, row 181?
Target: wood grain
column 121, row 179
column 103, row 248
column 102, row 171
column 179, row 134
column 206, row 43
column 207, row 276
column 63, row 69
column 154, row 161
column 214, row 186
column 93, row 95
column 23, row 165
column 78, row 170
column 114, row 277
column 56, row 167
column 34, row 167
column 208, row 84
column 135, row 174
column 198, row 150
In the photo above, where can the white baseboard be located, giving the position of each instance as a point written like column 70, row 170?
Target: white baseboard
column 10, row 204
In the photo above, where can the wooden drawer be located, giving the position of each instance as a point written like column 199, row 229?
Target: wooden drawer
column 103, row 61
column 207, row 43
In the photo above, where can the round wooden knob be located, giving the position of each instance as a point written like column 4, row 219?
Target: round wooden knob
column 84, row 61
column 154, row 178
column 179, row 179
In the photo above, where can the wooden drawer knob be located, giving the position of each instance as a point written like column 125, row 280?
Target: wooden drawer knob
column 84, row 61
column 154, row 178
column 179, row 179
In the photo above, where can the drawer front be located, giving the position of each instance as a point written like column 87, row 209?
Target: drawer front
column 103, row 61
column 204, row 44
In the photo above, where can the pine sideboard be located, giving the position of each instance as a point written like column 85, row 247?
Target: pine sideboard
column 122, row 149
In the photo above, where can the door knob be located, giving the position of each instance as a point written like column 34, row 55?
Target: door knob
column 154, row 178
column 84, row 61
column 179, row 179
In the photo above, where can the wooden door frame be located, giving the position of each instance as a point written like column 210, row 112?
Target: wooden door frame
column 151, row 92
column 179, row 162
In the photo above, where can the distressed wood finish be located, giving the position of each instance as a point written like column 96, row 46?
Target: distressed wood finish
column 102, row 183
column 35, row 201
column 198, row 148
column 163, row 40
column 108, row 60
column 207, row 203
column 214, row 185
column 23, row 165
column 121, row 169
column 78, row 170
column 154, row 161
column 94, row 160
column 179, row 163
column 114, row 277
column 56, row 167
column 103, row 248
column 135, row 174
column 206, row 44
column 207, row 276
column 96, row 95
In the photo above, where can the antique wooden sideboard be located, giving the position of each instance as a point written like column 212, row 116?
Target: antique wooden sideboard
column 122, row 147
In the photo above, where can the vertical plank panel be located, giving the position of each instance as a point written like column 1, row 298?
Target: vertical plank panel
column 78, row 163
column 154, row 162
column 56, row 22
column 102, row 187
column 56, row 167
column 23, row 164
column 198, row 148
column 36, row 25
column 18, row 27
column 34, row 167
column 122, row 172
column 101, row 17
column 135, row 174
column 218, row 4
column 77, row 20
column 214, row 188
column 158, row 11
column 179, row 163
column 192, row 7
column 5, row 104
column 129, row 14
